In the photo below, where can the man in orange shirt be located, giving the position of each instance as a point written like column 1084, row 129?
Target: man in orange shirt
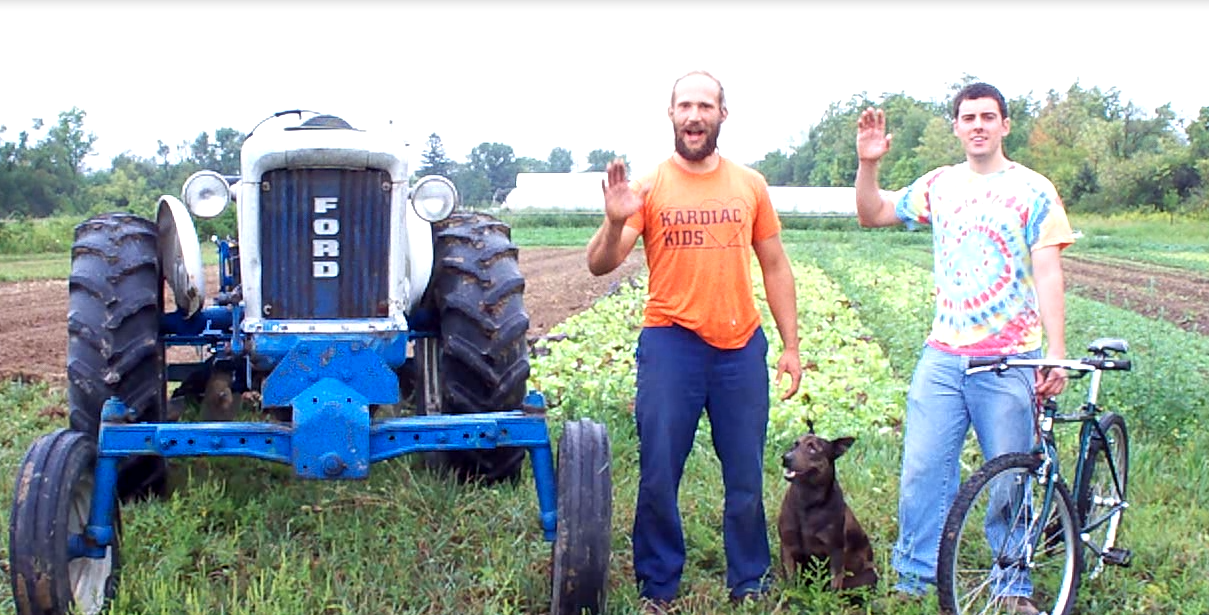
column 701, row 217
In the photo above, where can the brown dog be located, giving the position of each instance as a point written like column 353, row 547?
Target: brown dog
column 816, row 524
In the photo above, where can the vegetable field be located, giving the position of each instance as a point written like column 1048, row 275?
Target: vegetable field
column 246, row 537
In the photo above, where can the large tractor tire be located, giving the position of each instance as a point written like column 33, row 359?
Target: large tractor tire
column 115, row 298
column 483, row 358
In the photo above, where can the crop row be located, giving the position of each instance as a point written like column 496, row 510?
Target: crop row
column 864, row 311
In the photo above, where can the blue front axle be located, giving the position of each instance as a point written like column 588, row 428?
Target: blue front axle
column 332, row 437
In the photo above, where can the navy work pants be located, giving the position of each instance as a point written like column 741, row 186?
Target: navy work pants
column 678, row 376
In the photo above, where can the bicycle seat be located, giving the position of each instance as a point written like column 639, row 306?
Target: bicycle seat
column 1104, row 344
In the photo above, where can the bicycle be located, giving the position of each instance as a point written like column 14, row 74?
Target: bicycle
column 1034, row 541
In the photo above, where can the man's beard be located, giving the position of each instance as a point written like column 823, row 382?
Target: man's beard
column 701, row 153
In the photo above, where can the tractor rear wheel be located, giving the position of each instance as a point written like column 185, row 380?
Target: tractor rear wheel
column 483, row 358
column 115, row 298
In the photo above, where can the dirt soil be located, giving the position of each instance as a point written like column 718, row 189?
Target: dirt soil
column 33, row 315
column 1174, row 295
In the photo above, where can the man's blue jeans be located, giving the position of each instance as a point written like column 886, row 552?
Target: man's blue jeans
column 942, row 403
column 678, row 376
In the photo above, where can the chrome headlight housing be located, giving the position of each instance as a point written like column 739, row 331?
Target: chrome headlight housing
column 206, row 193
column 434, row 198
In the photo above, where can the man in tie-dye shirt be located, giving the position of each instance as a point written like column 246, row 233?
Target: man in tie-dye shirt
column 998, row 229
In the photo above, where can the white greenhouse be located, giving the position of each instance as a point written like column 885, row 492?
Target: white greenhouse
column 581, row 192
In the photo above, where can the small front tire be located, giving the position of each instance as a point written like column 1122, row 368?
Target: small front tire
column 585, row 517
column 53, row 497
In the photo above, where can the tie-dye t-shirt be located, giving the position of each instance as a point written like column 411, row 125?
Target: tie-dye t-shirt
column 984, row 229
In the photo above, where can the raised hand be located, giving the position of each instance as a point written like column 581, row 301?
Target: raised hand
column 620, row 201
column 872, row 142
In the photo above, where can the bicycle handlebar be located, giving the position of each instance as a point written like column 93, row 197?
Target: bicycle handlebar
column 1086, row 364
column 1103, row 349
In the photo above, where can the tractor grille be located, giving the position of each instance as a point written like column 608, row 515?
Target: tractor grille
column 324, row 243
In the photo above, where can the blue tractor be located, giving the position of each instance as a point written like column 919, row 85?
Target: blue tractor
column 350, row 293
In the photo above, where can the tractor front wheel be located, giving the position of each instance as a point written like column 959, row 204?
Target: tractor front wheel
column 54, row 491
column 585, row 519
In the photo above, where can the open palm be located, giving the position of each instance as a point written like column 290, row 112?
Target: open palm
column 620, row 201
column 872, row 142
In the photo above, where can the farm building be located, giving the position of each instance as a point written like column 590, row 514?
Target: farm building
column 580, row 192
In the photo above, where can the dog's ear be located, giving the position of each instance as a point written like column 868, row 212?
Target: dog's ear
column 839, row 446
column 810, row 425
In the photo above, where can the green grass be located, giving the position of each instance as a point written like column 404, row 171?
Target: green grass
column 1182, row 243
column 241, row 536
column 46, row 266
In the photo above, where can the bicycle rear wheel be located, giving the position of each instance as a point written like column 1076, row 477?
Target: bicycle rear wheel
column 1100, row 498
column 1003, row 541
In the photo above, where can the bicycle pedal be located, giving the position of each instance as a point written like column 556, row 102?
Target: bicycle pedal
column 1118, row 557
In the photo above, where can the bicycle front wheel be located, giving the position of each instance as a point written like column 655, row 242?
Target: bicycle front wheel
column 1101, row 496
column 1010, row 538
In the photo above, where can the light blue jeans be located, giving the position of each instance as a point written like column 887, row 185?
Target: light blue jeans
column 942, row 403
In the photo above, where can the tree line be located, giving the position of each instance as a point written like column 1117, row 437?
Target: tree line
column 1103, row 153
column 47, row 177
column 490, row 170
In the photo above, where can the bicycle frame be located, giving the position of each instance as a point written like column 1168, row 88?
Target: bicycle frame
column 1048, row 414
column 1087, row 415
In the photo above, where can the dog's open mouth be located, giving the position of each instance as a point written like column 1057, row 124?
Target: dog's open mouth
column 809, row 474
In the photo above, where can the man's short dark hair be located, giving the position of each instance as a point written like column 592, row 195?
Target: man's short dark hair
column 980, row 90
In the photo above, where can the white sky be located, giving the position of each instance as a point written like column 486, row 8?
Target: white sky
column 580, row 75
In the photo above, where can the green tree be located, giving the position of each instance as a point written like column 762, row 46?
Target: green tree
column 525, row 164
column 1197, row 133
column 1023, row 112
column 776, row 168
column 46, row 177
column 69, row 143
column 433, row 161
column 599, row 159
column 1070, row 133
column 496, row 162
column 908, row 119
column 831, row 145
column 220, row 154
column 202, row 152
column 120, row 190
column 560, row 161
column 162, row 151
column 936, row 147
column 473, row 186
column 230, row 143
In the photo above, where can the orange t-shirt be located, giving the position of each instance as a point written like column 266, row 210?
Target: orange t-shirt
column 697, row 231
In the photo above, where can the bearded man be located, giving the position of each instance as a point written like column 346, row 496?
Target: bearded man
column 701, row 217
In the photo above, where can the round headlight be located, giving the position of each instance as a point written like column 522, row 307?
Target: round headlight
column 434, row 198
column 206, row 193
